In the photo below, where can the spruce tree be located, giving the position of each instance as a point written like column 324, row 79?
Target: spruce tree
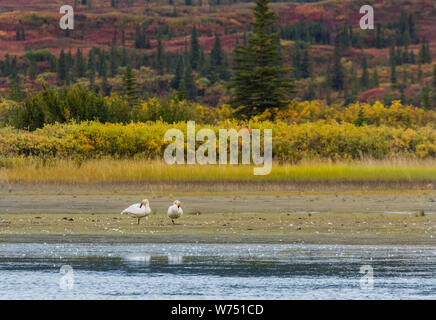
column 194, row 53
column 338, row 71
column 61, row 68
column 175, row 82
column 217, row 61
column 434, row 76
column 364, row 80
column 428, row 58
column 18, row 34
column 412, row 57
column 80, row 65
column 15, row 92
column 188, row 83
column 296, row 62
column 33, row 69
column 91, row 67
column 69, row 63
column 160, row 57
column 375, row 78
column 260, row 82
column 393, row 65
column 181, row 91
column 379, row 37
column 425, row 98
column 130, row 86
column 361, row 119
column 114, row 61
column 305, row 73
column 402, row 96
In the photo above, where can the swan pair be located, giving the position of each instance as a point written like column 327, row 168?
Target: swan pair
column 142, row 209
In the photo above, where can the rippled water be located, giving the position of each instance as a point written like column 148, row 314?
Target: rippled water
column 214, row 271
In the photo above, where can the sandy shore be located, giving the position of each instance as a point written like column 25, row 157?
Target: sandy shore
column 346, row 217
column 340, row 228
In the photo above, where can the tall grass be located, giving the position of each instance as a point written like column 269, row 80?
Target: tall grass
column 31, row 169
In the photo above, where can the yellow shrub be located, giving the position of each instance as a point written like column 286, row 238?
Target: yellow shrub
column 291, row 142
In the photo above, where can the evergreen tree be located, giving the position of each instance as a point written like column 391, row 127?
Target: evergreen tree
column 114, row 61
column 259, row 82
column 428, row 58
column 297, row 62
column 160, row 63
column 405, row 77
column 91, row 67
column 434, row 76
column 425, row 98
column 123, row 37
column 69, row 62
column 402, row 97
column 424, row 52
column 411, row 26
column 338, row 72
column 80, row 65
column 188, row 83
column 175, row 82
column 194, row 53
column 102, row 64
column 364, row 80
column 105, row 87
column 354, row 88
column 375, row 78
column 310, row 94
column 15, row 92
column 379, row 37
column 124, row 57
column 305, row 73
column 361, row 119
column 33, row 69
column 17, row 34
column 181, row 91
column 393, row 74
column 412, row 57
column 393, row 65
column 217, row 62
column 130, row 86
column 61, row 68
column 217, row 54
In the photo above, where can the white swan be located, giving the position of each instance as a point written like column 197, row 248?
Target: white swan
column 175, row 211
column 138, row 210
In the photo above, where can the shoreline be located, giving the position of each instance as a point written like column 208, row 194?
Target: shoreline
column 416, row 240
column 273, row 227
column 399, row 217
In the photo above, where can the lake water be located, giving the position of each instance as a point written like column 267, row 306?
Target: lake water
column 215, row 271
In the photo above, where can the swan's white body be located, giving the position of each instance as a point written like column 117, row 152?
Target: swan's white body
column 175, row 211
column 138, row 210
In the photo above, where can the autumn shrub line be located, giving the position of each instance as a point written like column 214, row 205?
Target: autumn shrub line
column 60, row 105
column 291, row 142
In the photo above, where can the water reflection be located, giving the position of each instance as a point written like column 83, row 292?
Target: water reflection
column 152, row 271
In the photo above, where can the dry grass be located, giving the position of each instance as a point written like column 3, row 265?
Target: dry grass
column 32, row 170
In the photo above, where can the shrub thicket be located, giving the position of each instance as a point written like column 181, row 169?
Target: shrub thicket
column 291, row 142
